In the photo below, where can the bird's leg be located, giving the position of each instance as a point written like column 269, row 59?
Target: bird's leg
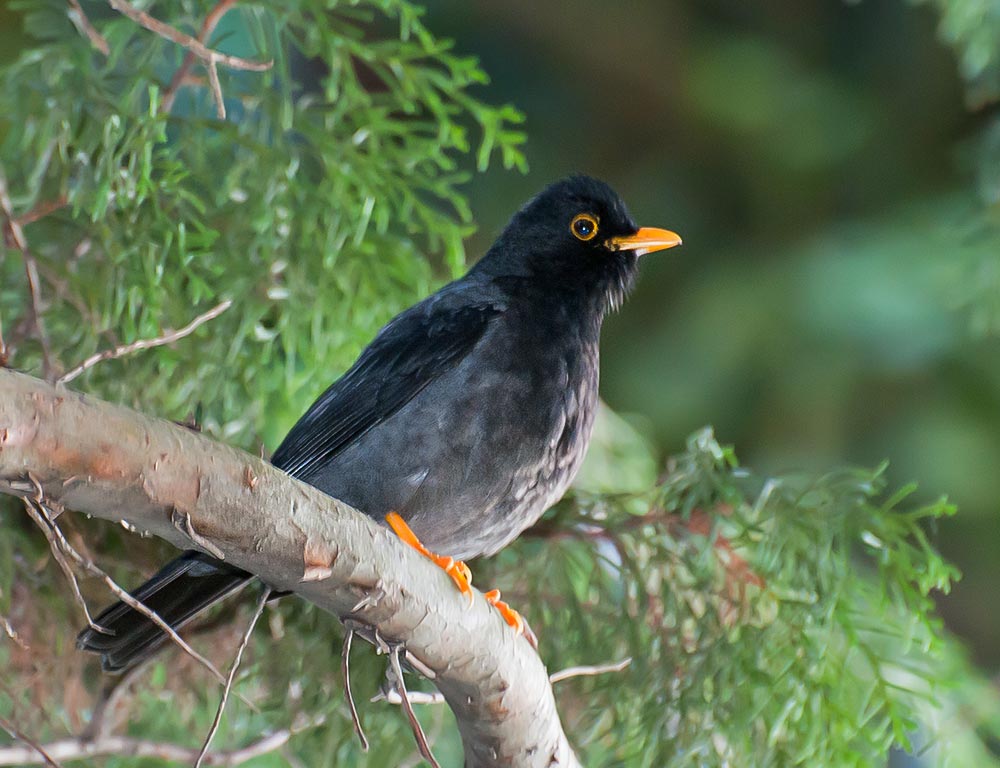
column 457, row 569
column 462, row 577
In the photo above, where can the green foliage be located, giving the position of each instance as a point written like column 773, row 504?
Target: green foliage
column 311, row 207
column 771, row 621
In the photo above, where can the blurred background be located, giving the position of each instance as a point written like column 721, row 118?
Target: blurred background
column 831, row 174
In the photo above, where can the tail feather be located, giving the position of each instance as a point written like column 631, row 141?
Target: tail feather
column 182, row 589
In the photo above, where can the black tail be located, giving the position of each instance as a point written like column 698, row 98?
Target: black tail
column 182, row 589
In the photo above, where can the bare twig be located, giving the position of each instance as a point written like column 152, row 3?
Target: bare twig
column 199, row 49
column 14, row 234
column 345, row 669
column 31, row 270
column 209, row 57
column 45, row 524
column 34, row 747
column 58, row 541
column 588, row 671
column 44, row 208
column 216, row 88
column 261, row 603
column 82, row 23
column 124, row 746
column 9, row 630
column 393, row 696
column 181, row 75
column 127, row 349
column 418, row 732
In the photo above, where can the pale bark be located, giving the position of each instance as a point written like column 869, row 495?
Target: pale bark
column 111, row 462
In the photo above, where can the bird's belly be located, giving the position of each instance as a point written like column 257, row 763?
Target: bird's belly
column 470, row 478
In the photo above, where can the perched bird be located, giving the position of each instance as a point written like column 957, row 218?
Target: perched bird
column 465, row 418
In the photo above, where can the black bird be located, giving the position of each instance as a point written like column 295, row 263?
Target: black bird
column 466, row 417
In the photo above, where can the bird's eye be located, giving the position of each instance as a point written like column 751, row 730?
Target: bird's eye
column 584, row 226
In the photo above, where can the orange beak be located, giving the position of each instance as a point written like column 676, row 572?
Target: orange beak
column 646, row 240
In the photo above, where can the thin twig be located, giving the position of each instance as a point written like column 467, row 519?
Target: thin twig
column 9, row 630
column 420, row 697
column 345, row 669
column 58, row 541
column 127, row 349
column 124, row 746
column 588, row 671
column 261, row 603
column 418, row 732
column 44, row 208
column 82, row 23
column 33, row 745
column 31, row 270
column 209, row 57
column 216, row 88
column 13, row 233
column 198, row 48
column 181, row 75
column 46, row 525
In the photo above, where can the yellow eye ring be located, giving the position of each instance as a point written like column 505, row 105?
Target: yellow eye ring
column 584, row 226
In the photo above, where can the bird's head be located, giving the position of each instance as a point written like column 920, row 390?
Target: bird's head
column 576, row 236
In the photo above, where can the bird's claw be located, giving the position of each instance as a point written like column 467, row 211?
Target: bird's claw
column 462, row 576
column 456, row 569
column 512, row 617
column 459, row 573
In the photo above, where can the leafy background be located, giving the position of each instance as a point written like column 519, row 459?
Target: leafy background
column 833, row 169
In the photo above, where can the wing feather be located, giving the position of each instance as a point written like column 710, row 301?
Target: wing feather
column 408, row 354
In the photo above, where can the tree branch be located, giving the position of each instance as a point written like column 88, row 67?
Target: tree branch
column 111, row 462
column 124, row 746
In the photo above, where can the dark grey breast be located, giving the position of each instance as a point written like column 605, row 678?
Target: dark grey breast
column 469, row 415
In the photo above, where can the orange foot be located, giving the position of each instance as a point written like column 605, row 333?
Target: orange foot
column 462, row 577
column 512, row 617
column 457, row 569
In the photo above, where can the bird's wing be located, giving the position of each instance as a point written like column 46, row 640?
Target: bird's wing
column 407, row 355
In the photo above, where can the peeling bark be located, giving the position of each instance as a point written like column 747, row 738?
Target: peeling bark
column 110, row 462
